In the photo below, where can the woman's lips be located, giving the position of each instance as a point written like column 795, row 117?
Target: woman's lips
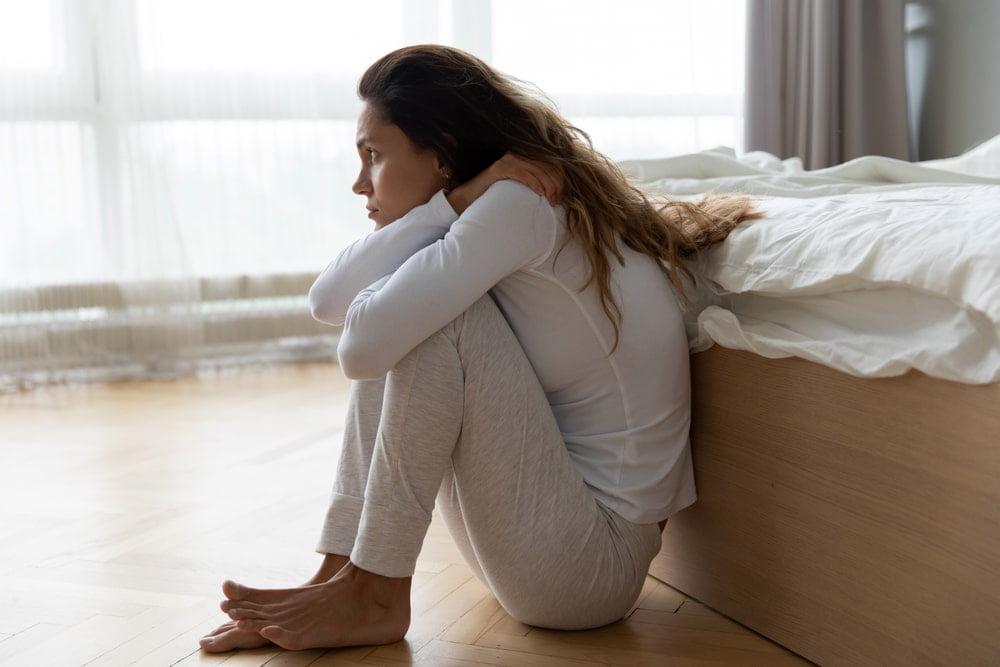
column 373, row 212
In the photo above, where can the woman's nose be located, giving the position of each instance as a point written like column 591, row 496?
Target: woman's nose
column 362, row 185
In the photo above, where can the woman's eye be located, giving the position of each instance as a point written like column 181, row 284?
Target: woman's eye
column 370, row 152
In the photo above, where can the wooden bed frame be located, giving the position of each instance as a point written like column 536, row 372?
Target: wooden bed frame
column 851, row 520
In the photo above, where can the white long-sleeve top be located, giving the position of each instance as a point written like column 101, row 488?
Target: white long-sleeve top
column 625, row 418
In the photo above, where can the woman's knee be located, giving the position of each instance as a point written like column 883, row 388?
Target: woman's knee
column 486, row 307
column 482, row 323
column 476, row 332
column 434, row 353
column 483, row 308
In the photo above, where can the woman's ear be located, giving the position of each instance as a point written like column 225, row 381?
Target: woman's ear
column 446, row 175
column 452, row 145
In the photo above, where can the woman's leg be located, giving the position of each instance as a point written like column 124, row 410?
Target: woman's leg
column 465, row 415
column 465, row 406
column 341, row 523
column 364, row 411
column 340, row 526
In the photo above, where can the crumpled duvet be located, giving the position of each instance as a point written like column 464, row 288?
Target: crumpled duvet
column 872, row 267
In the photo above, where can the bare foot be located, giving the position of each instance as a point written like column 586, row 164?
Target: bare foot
column 354, row 608
column 227, row 636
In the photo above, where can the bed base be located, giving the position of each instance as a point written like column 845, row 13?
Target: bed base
column 851, row 520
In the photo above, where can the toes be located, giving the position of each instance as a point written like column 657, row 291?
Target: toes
column 231, row 639
column 240, row 613
column 281, row 637
column 227, row 605
column 216, row 644
column 252, row 625
column 210, row 645
column 222, row 628
column 235, row 591
column 240, row 609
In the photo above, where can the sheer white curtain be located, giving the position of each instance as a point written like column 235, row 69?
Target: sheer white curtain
column 173, row 175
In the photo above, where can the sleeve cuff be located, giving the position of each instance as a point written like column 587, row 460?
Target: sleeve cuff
column 442, row 208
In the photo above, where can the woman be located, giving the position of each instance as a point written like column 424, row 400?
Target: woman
column 504, row 370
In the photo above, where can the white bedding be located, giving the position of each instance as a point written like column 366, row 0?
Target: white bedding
column 872, row 267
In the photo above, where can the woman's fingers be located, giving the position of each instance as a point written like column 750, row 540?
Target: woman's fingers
column 532, row 180
column 554, row 178
column 550, row 186
column 544, row 179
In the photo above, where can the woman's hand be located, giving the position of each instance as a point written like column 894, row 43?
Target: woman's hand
column 542, row 178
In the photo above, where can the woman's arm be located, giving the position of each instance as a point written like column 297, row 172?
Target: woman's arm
column 545, row 179
column 379, row 253
column 507, row 228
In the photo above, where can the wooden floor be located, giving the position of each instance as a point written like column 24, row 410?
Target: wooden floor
column 123, row 507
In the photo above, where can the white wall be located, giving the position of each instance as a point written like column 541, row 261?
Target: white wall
column 953, row 67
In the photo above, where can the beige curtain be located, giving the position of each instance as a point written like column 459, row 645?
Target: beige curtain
column 173, row 175
column 826, row 80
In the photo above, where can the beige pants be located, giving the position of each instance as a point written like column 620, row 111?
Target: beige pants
column 462, row 421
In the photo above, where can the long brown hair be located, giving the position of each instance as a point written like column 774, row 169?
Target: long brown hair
column 451, row 102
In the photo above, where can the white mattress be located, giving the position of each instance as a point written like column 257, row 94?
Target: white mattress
column 871, row 267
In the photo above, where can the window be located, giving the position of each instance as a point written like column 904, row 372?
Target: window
column 149, row 139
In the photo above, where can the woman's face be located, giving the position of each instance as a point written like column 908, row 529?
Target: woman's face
column 395, row 176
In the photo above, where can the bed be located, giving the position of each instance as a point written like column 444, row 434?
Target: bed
column 846, row 407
